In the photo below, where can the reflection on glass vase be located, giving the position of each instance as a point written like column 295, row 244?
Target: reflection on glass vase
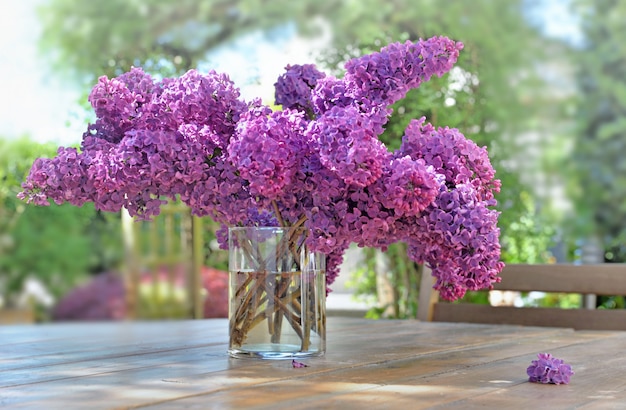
column 277, row 294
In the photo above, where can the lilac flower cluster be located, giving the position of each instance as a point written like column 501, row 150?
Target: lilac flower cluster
column 293, row 88
column 457, row 235
column 318, row 162
column 549, row 370
column 103, row 298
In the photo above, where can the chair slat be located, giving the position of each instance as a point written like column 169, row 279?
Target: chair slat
column 579, row 319
column 601, row 279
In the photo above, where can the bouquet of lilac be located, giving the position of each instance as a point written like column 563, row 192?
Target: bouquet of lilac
column 317, row 163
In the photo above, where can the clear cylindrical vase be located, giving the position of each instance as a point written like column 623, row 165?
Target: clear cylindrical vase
column 277, row 294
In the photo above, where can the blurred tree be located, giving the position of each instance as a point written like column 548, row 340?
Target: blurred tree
column 57, row 245
column 89, row 39
column 598, row 163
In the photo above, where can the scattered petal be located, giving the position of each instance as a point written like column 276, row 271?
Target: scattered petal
column 297, row 365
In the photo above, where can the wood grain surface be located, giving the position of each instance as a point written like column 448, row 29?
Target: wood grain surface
column 373, row 364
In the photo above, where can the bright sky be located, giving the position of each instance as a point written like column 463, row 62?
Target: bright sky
column 33, row 101
column 556, row 19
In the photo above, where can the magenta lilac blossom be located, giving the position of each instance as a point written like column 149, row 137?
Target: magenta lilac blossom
column 293, row 88
column 317, row 161
column 549, row 370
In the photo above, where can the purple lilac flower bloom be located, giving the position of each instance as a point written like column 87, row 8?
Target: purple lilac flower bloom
column 267, row 150
column 414, row 186
column 293, row 88
column 387, row 76
column 459, row 225
column 548, row 369
column 317, row 162
column 348, row 146
column 328, row 93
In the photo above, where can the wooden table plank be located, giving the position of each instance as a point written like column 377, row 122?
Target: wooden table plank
column 593, row 384
column 411, row 380
column 381, row 364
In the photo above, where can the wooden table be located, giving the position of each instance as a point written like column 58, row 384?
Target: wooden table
column 368, row 365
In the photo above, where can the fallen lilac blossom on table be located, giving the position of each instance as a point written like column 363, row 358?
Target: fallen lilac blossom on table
column 549, row 369
column 297, row 365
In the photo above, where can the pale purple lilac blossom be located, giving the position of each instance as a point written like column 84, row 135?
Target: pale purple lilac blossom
column 293, row 88
column 549, row 370
column 318, row 161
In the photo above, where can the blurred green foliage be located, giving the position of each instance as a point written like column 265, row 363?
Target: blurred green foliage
column 58, row 245
column 598, row 162
column 560, row 300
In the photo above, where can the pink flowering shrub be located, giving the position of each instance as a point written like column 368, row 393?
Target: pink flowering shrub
column 104, row 297
column 318, row 162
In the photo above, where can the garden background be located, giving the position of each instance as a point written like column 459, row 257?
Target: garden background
column 541, row 83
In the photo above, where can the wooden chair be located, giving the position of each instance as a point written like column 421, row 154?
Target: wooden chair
column 165, row 248
column 600, row 279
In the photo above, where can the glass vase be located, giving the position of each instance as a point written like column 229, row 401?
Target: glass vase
column 277, row 294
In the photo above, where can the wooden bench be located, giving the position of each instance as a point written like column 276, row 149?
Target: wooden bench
column 600, row 279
